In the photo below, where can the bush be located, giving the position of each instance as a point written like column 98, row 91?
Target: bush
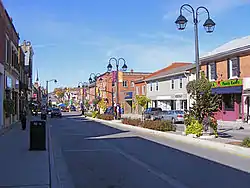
column 108, row 117
column 159, row 125
column 194, row 128
column 94, row 114
column 188, row 119
column 246, row 142
column 130, row 121
column 149, row 124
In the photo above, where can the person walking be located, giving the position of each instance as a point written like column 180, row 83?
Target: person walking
column 23, row 118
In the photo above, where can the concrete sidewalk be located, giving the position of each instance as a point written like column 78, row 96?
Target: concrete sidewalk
column 21, row 168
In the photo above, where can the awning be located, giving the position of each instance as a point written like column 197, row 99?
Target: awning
column 227, row 90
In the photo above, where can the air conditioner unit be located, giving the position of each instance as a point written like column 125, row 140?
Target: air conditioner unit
column 246, row 83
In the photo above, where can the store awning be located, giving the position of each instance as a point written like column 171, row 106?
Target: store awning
column 227, row 90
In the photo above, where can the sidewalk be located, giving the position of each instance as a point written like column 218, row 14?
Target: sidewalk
column 21, row 168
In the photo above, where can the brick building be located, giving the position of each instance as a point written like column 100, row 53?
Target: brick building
column 9, row 40
column 228, row 67
column 106, row 82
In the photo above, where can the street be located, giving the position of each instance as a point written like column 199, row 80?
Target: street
column 100, row 156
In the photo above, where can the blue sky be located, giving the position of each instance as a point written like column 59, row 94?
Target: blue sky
column 73, row 38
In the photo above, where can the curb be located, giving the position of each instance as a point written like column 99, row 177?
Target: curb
column 237, row 150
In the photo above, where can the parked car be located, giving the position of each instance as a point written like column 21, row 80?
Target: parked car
column 173, row 115
column 64, row 109
column 109, row 110
column 56, row 112
column 72, row 108
column 152, row 113
column 49, row 109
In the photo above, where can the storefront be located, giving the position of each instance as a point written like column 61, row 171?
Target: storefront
column 128, row 106
column 231, row 107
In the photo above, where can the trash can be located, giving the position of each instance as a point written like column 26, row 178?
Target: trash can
column 37, row 135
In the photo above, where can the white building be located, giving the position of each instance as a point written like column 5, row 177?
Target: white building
column 167, row 90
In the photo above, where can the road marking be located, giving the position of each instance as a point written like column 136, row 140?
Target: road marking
column 88, row 150
column 170, row 180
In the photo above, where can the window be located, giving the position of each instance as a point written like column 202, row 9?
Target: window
column 132, row 84
column 143, row 92
column 151, row 86
column 125, row 83
column 157, row 86
column 137, row 90
column 172, row 84
column 212, row 75
column 234, row 68
column 228, row 102
column 180, row 83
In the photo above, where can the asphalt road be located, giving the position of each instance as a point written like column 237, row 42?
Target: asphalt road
column 100, row 156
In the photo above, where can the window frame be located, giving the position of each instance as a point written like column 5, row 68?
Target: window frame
column 151, row 86
column 172, row 84
column 157, row 86
column 231, row 68
column 181, row 83
column 210, row 71
column 125, row 83
column 132, row 84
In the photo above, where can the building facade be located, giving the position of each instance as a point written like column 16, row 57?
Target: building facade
column 167, row 90
column 228, row 67
column 9, row 40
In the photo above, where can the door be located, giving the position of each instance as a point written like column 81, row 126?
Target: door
column 230, row 106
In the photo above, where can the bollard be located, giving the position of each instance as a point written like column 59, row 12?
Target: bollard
column 37, row 135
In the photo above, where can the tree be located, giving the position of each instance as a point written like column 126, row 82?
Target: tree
column 205, row 103
column 59, row 93
column 142, row 100
column 102, row 104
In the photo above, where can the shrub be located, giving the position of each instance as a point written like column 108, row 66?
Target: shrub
column 94, row 114
column 188, row 119
column 194, row 128
column 105, row 117
column 246, row 142
column 130, row 121
column 159, row 125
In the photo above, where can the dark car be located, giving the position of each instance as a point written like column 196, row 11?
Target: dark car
column 109, row 110
column 152, row 113
column 56, row 112
column 72, row 108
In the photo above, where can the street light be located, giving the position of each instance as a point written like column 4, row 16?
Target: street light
column 83, row 85
column 209, row 26
column 93, row 79
column 124, row 68
column 47, row 88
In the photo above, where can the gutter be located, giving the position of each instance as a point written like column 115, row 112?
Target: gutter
column 225, row 54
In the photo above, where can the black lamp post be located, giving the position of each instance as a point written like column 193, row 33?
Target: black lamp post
column 124, row 68
column 209, row 26
column 83, row 85
column 93, row 79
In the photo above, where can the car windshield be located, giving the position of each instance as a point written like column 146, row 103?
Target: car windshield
column 56, row 109
column 179, row 112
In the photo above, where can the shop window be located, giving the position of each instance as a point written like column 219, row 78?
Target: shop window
column 132, row 84
column 228, row 102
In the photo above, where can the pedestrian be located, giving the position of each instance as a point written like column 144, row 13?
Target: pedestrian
column 23, row 119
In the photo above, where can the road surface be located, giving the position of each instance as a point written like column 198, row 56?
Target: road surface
column 100, row 156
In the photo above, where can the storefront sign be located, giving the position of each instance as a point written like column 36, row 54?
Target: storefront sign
column 227, row 83
column 178, row 96
column 128, row 95
column 8, row 82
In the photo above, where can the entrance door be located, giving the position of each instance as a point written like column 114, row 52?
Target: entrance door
column 230, row 107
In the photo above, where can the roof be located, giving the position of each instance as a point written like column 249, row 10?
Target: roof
column 234, row 46
column 173, row 65
column 172, row 72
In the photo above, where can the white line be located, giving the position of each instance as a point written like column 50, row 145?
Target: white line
column 88, row 150
column 173, row 182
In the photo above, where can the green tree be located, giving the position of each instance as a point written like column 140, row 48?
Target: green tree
column 205, row 103
column 142, row 100
column 102, row 104
column 59, row 93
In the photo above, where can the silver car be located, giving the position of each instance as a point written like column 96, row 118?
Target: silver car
column 173, row 115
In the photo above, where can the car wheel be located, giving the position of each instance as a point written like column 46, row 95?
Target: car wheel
column 173, row 120
column 52, row 116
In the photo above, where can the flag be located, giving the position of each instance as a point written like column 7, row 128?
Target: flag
column 120, row 76
column 114, row 76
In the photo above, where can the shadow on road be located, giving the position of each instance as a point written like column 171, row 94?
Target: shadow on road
column 131, row 154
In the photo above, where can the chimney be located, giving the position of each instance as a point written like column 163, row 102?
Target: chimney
column 132, row 70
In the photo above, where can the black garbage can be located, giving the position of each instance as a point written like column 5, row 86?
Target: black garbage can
column 37, row 135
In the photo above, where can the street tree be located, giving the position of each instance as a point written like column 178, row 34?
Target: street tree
column 205, row 103
column 142, row 100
